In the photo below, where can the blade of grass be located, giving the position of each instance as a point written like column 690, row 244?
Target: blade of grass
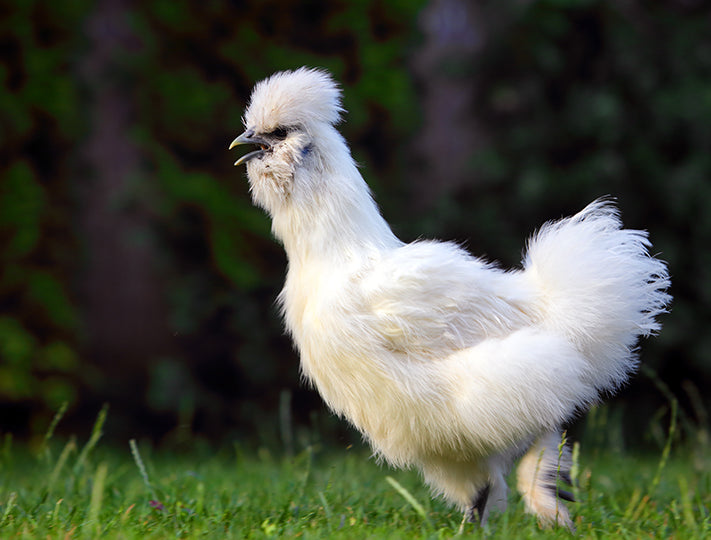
column 667, row 447
column 55, row 514
column 640, row 508
column 409, row 498
column 326, row 509
column 686, row 507
column 664, row 389
column 97, row 494
column 141, row 467
column 95, row 436
column 308, row 456
column 44, row 449
column 9, row 505
column 125, row 515
column 575, row 469
column 200, row 502
column 561, row 449
column 68, row 448
column 631, row 507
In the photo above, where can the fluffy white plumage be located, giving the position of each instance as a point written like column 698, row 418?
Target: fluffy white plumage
column 443, row 361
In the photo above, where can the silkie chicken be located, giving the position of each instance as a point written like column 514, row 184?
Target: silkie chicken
column 443, row 361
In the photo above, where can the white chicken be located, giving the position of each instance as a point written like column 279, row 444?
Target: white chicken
column 443, row 361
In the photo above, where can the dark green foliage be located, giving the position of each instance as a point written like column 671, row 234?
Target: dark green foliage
column 40, row 120
column 575, row 99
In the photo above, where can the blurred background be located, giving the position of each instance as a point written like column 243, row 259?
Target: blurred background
column 135, row 271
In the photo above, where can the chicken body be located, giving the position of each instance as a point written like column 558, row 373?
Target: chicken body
column 443, row 361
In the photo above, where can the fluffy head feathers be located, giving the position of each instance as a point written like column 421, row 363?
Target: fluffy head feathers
column 294, row 98
column 303, row 173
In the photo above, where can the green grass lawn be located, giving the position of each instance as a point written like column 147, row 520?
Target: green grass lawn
column 89, row 490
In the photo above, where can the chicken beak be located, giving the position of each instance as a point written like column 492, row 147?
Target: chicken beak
column 248, row 137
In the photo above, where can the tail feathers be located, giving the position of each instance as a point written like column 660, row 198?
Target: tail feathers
column 538, row 474
column 600, row 286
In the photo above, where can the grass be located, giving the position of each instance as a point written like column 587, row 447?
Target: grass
column 67, row 490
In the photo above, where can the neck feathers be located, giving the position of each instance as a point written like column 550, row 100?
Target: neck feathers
column 336, row 219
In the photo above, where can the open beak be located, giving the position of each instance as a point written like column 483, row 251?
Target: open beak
column 248, row 137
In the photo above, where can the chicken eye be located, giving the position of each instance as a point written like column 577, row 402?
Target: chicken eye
column 279, row 133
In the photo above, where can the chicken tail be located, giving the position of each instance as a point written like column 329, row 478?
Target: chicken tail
column 599, row 286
